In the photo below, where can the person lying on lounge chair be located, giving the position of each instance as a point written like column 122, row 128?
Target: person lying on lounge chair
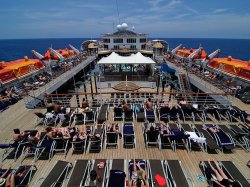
column 149, row 104
column 165, row 129
column 15, row 178
column 213, row 129
column 80, row 135
column 221, row 179
column 138, row 177
column 3, row 174
column 57, row 133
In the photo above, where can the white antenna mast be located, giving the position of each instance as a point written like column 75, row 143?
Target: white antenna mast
column 117, row 12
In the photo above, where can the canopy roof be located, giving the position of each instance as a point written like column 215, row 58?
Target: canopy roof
column 114, row 58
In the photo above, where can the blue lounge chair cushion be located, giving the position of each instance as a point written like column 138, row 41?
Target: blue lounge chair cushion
column 116, row 178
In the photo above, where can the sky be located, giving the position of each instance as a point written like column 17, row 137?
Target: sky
column 91, row 18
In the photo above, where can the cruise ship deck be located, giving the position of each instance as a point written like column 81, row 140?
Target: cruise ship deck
column 18, row 117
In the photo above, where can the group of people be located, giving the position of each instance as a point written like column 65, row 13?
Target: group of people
column 8, row 97
column 10, row 178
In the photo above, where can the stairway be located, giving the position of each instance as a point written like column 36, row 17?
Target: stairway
column 184, row 82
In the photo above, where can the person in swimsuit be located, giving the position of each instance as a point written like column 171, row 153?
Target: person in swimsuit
column 138, row 177
column 221, row 179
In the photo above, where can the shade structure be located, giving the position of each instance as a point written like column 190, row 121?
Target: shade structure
column 114, row 58
column 168, row 69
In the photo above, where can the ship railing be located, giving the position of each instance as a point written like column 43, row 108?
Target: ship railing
column 74, row 100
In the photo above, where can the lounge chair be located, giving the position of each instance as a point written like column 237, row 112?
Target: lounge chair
column 90, row 116
column 143, row 165
column 151, row 135
column 60, row 145
column 163, row 113
column 103, row 114
column 80, row 145
column 27, row 172
column 195, row 138
column 235, row 173
column 150, row 115
column 111, row 138
column 118, row 113
column 101, row 173
column 206, row 170
column 128, row 115
column 129, row 135
column 225, row 141
column 95, row 143
column 45, row 149
column 174, row 169
column 167, row 140
column 239, row 139
column 179, row 137
column 188, row 112
column 79, row 173
column 139, row 113
column 57, row 174
column 117, row 175
column 211, row 142
column 157, row 174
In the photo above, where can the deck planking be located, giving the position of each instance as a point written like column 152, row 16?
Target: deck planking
column 19, row 117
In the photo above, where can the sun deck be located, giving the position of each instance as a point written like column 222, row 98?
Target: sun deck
column 19, row 117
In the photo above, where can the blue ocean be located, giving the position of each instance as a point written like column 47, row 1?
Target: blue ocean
column 11, row 49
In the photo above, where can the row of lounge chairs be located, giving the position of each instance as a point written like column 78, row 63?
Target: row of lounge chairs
column 204, row 137
column 118, row 172
column 229, row 169
column 97, row 138
column 115, row 173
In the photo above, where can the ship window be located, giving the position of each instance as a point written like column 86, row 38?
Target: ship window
column 133, row 47
column 143, row 40
column 116, row 47
column 118, row 40
column 105, row 46
column 131, row 40
column 106, row 40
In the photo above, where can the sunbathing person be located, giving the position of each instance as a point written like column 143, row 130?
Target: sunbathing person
column 81, row 135
column 221, row 179
column 18, row 135
column 34, row 137
column 165, row 129
column 3, row 174
column 149, row 104
column 114, row 127
column 138, row 177
column 213, row 129
column 15, row 178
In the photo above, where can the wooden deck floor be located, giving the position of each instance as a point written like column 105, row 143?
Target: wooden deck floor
column 25, row 119
column 19, row 117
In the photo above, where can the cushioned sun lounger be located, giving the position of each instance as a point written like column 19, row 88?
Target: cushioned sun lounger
column 208, row 172
column 235, row 173
column 222, row 138
column 128, row 135
column 128, row 115
column 179, row 137
column 27, row 172
column 118, row 113
column 157, row 174
column 150, row 115
column 57, row 174
column 117, row 175
column 103, row 114
column 101, row 172
column 177, row 173
column 79, row 173
column 211, row 143
column 111, row 138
